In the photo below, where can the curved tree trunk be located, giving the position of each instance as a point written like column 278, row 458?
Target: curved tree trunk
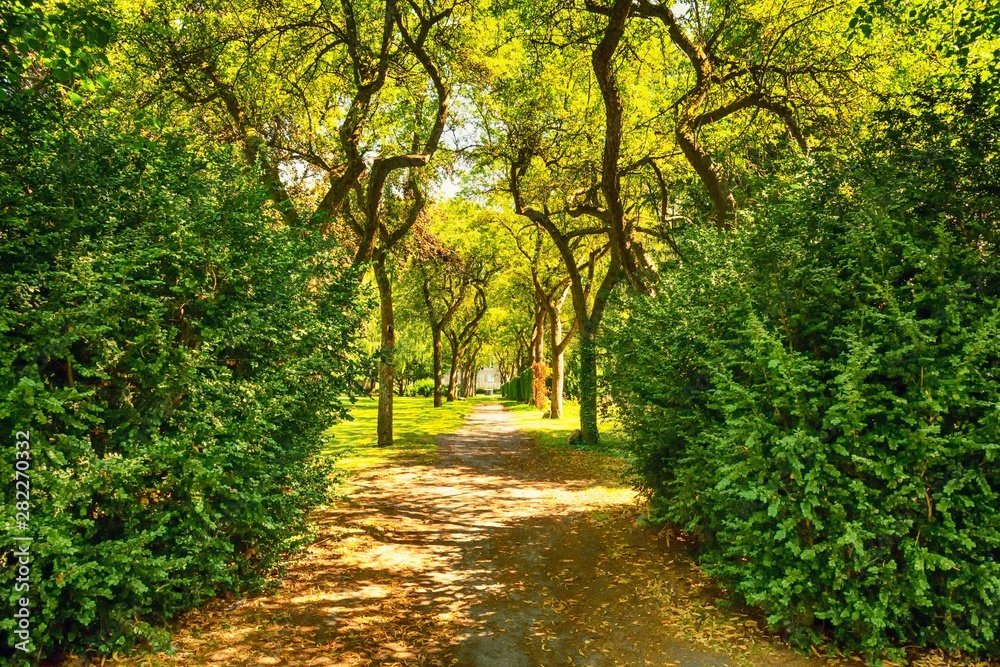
column 587, row 322
column 710, row 174
column 387, row 353
column 629, row 251
column 538, row 367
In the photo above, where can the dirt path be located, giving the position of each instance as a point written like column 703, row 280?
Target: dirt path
column 494, row 556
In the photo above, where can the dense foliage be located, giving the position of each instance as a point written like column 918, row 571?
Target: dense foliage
column 745, row 222
column 423, row 387
column 814, row 396
column 175, row 354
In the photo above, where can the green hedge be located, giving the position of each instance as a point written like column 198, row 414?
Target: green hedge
column 423, row 387
column 815, row 397
column 519, row 387
column 175, row 354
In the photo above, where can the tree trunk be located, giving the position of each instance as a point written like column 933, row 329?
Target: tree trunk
column 538, row 336
column 558, row 368
column 588, row 385
column 710, row 174
column 472, row 374
column 538, row 367
column 453, row 374
column 387, row 353
column 436, row 335
column 629, row 252
column 522, row 353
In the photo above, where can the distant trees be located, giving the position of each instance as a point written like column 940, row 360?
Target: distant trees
column 549, row 288
column 443, row 286
column 452, row 261
column 463, row 340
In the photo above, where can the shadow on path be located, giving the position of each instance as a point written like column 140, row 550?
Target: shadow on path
column 494, row 556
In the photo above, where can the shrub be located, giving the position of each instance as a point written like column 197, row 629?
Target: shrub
column 520, row 387
column 815, row 396
column 175, row 353
column 423, row 387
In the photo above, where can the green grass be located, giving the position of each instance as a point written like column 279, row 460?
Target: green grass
column 554, row 433
column 416, row 425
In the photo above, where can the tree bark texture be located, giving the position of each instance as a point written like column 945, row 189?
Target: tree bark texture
column 589, row 433
column 538, row 368
column 387, row 353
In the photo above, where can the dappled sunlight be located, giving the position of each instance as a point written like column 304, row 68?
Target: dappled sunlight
column 493, row 555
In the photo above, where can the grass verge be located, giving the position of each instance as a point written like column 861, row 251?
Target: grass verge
column 416, row 425
column 554, row 433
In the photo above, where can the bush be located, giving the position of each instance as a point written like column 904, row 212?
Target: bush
column 519, row 388
column 175, row 353
column 815, row 397
column 423, row 387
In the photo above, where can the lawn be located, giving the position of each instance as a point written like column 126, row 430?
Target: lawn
column 416, row 425
column 554, row 433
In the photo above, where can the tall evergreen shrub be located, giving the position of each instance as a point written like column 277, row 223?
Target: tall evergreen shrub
column 175, row 353
column 815, row 396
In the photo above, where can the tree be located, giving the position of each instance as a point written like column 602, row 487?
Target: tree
column 588, row 304
column 387, row 324
column 542, row 160
column 324, row 67
column 743, row 56
column 461, row 334
column 443, row 284
column 550, row 287
column 588, row 307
